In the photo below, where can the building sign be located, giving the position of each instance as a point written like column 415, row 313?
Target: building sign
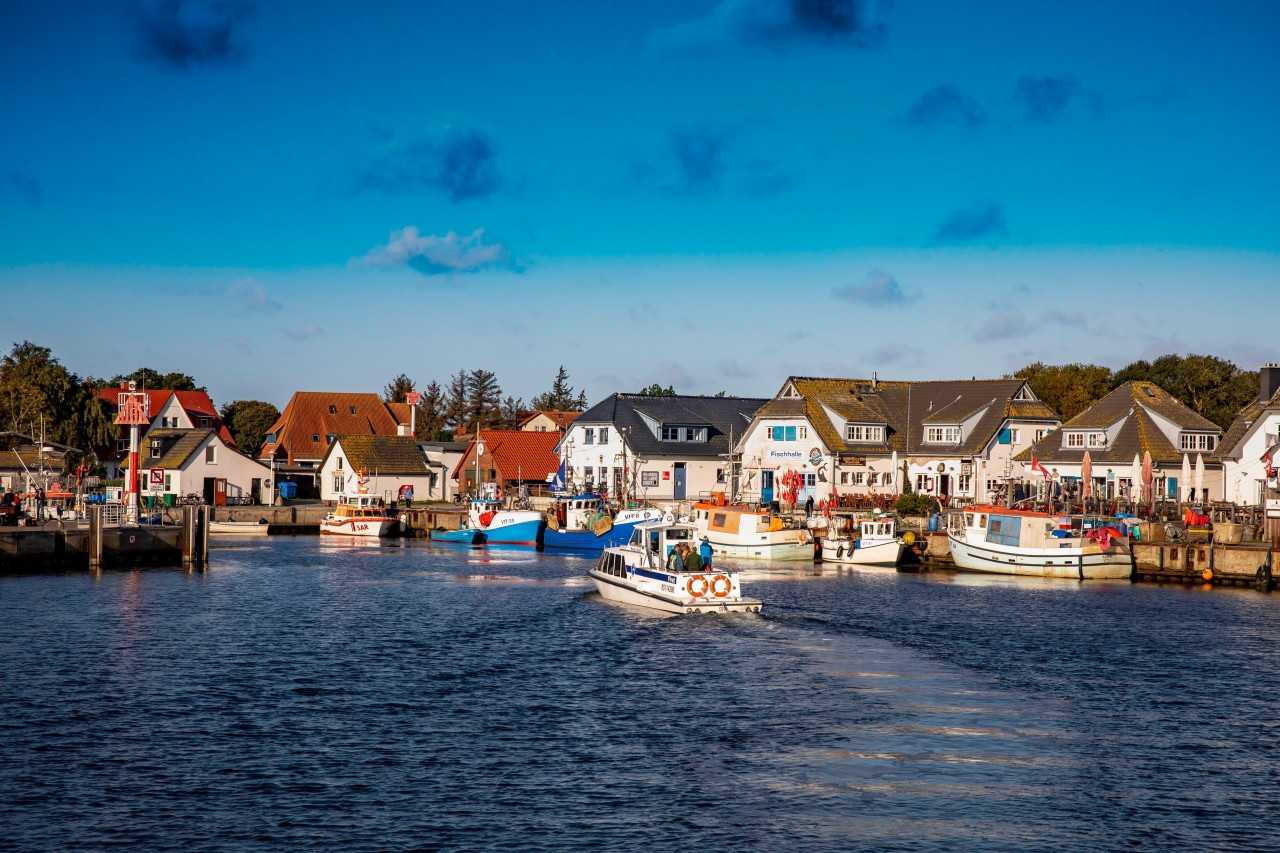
column 784, row 455
column 846, row 459
column 412, row 398
column 1273, row 508
column 157, row 479
column 666, row 475
column 966, row 468
column 815, row 457
column 648, row 479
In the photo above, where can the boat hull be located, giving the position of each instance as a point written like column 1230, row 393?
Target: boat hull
column 464, row 536
column 358, row 526
column 877, row 554
column 1073, row 563
column 621, row 590
column 772, row 551
column 586, row 541
column 513, row 532
column 238, row 528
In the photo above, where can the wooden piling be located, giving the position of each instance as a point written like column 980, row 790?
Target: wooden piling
column 95, row 537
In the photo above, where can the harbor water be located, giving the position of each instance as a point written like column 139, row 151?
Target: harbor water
column 309, row 693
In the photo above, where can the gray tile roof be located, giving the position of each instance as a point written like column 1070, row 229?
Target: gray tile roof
column 723, row 416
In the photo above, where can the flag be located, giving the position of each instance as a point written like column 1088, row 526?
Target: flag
column 1271, row 471
column 1035, row 464
column 557, row 483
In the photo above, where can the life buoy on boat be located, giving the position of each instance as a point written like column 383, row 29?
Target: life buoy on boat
column 702, row 580
column 715, row 586
column 486, row 518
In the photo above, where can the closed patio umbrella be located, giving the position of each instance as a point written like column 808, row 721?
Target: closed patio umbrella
column 1148, row 477
column 1185, row 484
column 1135, row 480
column 1200, row 478
column 1086, row 476
column 893, row 464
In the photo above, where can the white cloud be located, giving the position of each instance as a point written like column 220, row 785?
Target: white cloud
column 432, row 255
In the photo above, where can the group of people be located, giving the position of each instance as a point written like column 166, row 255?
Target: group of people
column 683, row 558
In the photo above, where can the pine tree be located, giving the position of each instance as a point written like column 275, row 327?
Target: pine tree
column 455, row 407
column 431, row 411
column 561, row 396
column 512, row 410
column 398, row 390
column 484, row 399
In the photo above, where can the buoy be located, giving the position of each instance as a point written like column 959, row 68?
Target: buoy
column 909, row 538
column 1207, row 574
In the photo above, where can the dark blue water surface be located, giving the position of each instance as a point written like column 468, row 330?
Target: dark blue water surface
column 335, row 695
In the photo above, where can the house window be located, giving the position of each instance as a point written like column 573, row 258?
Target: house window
column 340, row 465
column 155, row 447
column 168, row 482
column 719, row 475
column 782, row 433
column 802, row 432
column 588, row 473
column 693, row 434
column 671, row 433
column 860, row 432
column 122, row 446
column 924, row 483
column 1015, row 435
column 871, row 478
column 333, row 410
column 211, row 455
column 604, row 435
column 844, row 478
column 271, row 438
column 942, row 435
column 1198, row 441
column 964, row 484
column 1097, row 439
column 1041, row 433
column 315, row 436
column 1075, row 439
column 860, row 477
column 337, row 482
column 330, row 438
column 589, row 435
column 204, row 423
column 353, row 409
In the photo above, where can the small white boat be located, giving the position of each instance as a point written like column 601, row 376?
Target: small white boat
column 239, row 528
column 1004, row 541
column 636, row 573
column 874, row 542
column 742, row 531
column 358, row 514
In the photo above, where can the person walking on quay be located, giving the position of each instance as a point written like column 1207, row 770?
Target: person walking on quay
column 808, row 507
column 705, row 552
column 692, row 562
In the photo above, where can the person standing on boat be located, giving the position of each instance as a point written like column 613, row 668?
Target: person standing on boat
column 675, row 559
column 705, row 552
column 692, row 562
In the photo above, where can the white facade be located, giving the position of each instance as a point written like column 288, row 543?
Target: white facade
column 1245, row 478
column 212, row 460
column 597, row 455
column 337, row 478
column 594, row 455
column 776, row 444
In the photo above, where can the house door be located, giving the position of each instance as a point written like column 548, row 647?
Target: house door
column 766, row 487
column 208, row 491
column 809, row 490
column 677, row 483
column 944, row 485
column 255, row 490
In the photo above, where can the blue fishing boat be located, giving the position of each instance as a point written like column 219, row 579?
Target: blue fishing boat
column 582, row 523
column 463, row 536
column 504, row 526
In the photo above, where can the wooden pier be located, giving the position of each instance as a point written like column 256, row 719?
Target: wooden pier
column 97, row 546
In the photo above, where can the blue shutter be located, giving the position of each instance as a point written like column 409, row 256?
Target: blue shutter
column 1006, row 436
column 791, row 433
column 1171, row 487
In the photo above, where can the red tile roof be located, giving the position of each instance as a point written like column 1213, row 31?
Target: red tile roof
column 197, row 405
column 515, row 454
column 323, row 413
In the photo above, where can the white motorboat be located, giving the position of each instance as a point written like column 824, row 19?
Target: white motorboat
column 1004, row 541
column 740, row 531
column 636, row 573
column 870, row 541
column 358, row 514
column 239, row 528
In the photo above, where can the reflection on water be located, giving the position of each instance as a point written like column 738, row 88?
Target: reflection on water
column 323, row 694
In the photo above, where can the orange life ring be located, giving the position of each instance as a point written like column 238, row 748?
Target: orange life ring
column 705, row 586
column 728, row 586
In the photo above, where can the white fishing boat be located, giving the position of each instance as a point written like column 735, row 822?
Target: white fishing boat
column 239, row 528
column 739, row 531
column 358, row 514
column 636, row 573
column 870, row 541
column 1004, row 541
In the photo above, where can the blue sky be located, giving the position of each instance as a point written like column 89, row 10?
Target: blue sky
column 280, row 196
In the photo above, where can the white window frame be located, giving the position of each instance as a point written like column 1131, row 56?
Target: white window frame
column 863, row 433
column 604, row 435
column 588, row 435
column 1015, row 435
column 942, row 435
column 211, row 454
column 1074, row 440
column 1097, row 439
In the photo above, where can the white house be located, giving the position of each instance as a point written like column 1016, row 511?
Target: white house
column 868, row 437
column 178, row 462
column 655, row 448
column 395, row 467
column 1250, row 449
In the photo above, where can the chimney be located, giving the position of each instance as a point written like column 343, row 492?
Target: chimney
column 1268, row 381
column 874, row 383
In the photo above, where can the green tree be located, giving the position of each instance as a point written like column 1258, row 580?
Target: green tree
column 35, row 386
column 484, row 399
column 155, row 380
column 1068, row 389
column 248, row 422
column 431, row 408
column 398, row 390
column 560, row 397
column 1212, row 387
column 512, row 410
column 455, row 406
column 656, row 390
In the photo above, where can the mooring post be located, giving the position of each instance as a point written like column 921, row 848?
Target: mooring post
column 95, row 537
column 1133, row 562
column 1080, row 567
column 204, row 535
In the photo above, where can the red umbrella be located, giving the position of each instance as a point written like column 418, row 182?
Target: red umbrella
column 1148, row 477
column 1086, row 476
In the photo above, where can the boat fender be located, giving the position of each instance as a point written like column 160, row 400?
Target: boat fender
column 840, row 553
column 703, row 586
column 715, row 586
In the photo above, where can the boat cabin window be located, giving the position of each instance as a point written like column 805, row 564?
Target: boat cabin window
column 968, row 519
column 719, row 520
column 637, row 538
column 677, row 534
column 654, row 544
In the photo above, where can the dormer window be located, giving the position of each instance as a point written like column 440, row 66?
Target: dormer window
column 1096, row 439
column 155, row 447
column 333, row 410
column 684, row 433
column 863, row 432
column 942, row 435
column 204, row 423
column 330, row 438
column 315, row 436
column 353, row 409
column 1199, row 441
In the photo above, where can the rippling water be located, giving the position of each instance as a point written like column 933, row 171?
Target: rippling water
column 338, row 695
